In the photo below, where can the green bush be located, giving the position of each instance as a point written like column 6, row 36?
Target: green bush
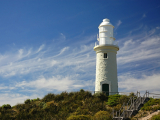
column 102, row 115
column 35, row 100
column 20, row 106
column 79, row 117
column 156, row 108
column 42, row 105
column 156, row 117
column 146, row 108
column 117, row 107
column 81, row 90
column 132, row 94
column 59, row 97
column 48, row 97
column 28, row 101
column 123, row 99
column 113, row 100
column 6, row 106
column 81, row 111
column 152, row 102
column 101, row 96
column 6, row 117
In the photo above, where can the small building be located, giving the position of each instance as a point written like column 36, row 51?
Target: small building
column 106, row 62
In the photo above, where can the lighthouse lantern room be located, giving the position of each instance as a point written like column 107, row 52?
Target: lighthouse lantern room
column 106, row 63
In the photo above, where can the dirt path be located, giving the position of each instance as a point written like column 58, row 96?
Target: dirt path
column 149, row 116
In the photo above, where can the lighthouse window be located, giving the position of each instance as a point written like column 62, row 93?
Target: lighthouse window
column 105, row 55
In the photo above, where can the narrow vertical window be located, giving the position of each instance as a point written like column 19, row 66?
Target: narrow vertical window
column 105, row 55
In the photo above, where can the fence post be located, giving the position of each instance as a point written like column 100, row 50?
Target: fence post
column 124, row 110
column 133, row 102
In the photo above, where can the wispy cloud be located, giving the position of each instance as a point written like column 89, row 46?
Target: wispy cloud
column 118, row 24
column 40, row 48
column 157, row 27
column 138, row 61
column 57, row 83
column 13, row 99
column 145, row 47
column 63, row 36
column 130, row 82
column 144, row 15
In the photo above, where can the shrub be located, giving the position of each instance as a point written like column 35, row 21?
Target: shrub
column 123, row 99
column 81, row 90
column 59, row 97
column 28, row 101
column 48, row 97
column 5, row 117
column 64, row 94
column 20, row 106
column 33, row 111
column 156, row 117
column 156, row 108
column 81, row 111
column 101, row 96
column 146, row 108
column 79, row 117
column 6, row 106
column 102, row 115
column 62, row 115
column 35, row 100
column 113, row 100
column 71, row 94
column 42, row 105
column 117, row 107
column 152, row 102
column 132, row 94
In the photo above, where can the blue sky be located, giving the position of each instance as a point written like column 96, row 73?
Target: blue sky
column 47, row 46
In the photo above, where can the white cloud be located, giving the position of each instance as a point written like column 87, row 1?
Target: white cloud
column 118, row 24
column 129, row 82
column 13, row 99
column 63, row 36
column 63, row 50
column 139, row 49
column 59, row 83
column 40, row 48
column 157, row 27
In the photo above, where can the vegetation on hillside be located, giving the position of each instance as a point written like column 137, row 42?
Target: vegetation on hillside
column 81, row 105
column 149, row 107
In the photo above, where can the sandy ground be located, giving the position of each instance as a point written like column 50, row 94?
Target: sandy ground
column 149, row 116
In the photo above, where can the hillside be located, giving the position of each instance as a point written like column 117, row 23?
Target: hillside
column 80, row 105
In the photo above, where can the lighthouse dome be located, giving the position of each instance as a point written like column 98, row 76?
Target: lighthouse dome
column 106, row 22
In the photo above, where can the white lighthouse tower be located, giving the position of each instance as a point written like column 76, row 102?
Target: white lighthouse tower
column 106, row 63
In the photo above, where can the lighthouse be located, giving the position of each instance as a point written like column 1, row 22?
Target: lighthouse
column 106, row 63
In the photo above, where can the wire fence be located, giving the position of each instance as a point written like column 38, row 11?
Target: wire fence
column 138, row 94
column 112, row 93
column 154, row 95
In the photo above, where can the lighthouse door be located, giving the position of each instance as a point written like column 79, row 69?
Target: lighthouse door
column 105, row 88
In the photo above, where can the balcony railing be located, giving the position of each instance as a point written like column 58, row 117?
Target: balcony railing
column 106, row 43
